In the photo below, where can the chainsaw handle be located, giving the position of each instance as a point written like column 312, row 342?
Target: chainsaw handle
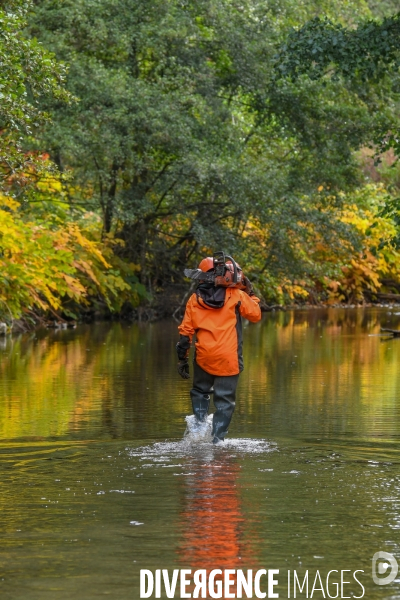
column 235, row 271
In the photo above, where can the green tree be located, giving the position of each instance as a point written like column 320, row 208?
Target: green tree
column 184, row 137
column 322, row 47
column 366, row 58
column 28, row 73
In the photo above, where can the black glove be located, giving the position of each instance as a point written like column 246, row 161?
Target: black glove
column 249, row 287
column 183, row 347
column 183, row 368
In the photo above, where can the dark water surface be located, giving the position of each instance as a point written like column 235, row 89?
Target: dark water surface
column 98, row 484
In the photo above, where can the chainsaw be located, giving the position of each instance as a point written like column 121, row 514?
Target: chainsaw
column 226, row 273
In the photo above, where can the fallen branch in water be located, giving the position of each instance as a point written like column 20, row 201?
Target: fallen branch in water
column 394, row 332
column 267, row 308
column 388, row 296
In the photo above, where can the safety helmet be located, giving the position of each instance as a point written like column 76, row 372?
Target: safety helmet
column 207, row 264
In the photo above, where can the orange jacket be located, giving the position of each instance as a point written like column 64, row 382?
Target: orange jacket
column 219, row 330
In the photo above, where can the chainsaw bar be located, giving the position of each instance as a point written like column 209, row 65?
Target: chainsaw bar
column 199, row 274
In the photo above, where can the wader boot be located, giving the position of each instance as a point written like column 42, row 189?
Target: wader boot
column 200, row 404
column 200, row 393
column 224, row 399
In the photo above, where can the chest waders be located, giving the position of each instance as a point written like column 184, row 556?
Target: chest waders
column 224, row 391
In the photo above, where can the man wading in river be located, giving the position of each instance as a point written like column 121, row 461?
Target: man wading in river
column 214, row 313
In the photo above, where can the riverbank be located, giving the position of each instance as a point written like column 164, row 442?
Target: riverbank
column 150, row 314
column 56, row 271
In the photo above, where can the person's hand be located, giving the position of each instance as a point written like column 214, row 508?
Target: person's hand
column 183, row 368
column 249, row 287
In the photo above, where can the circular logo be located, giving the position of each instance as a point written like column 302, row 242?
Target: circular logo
column 386, row 561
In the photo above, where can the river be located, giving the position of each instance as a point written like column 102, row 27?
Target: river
column 98, row 482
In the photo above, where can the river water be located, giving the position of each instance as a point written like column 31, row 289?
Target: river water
column 98, row 482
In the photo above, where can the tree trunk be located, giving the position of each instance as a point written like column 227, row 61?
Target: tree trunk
column 108, row 211
column 143, row 242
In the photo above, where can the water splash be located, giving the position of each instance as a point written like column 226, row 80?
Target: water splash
column 197, row 440
column 198, row 431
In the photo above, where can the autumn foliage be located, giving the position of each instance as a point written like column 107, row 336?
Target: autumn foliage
column 53, row 268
